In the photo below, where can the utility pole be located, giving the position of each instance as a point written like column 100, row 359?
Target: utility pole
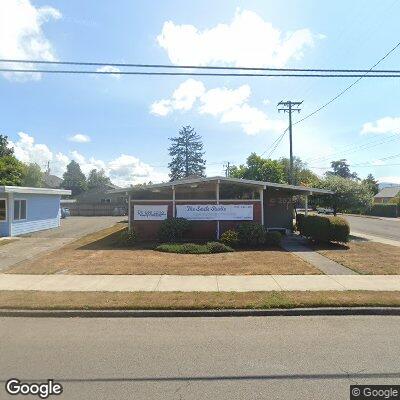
column 289, row 107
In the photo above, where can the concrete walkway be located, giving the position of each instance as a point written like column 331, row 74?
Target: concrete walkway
column 198, row 283
column 297, row 246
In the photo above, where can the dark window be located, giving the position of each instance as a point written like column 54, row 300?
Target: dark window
column 19, row 209
column 3, row 211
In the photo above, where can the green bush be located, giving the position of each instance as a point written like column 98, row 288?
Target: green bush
column 326, row 229
column 300, row 222
column 384, row 210
column 273, row 238
column 128, row 238
column 340, row 230
column 230, row 238
column 217, row 247
column 173, row 229
column 193, row 248
column 251, row 234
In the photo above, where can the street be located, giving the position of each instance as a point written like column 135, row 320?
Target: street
column 199, row 358
column 385, row 228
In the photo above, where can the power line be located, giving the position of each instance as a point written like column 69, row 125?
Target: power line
column 52, row 71
column 348, row 87
column 138, row 65
column 278, row 141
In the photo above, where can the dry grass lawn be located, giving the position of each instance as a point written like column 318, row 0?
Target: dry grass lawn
column 366, row 257
column 99, row 253
column 34, row 300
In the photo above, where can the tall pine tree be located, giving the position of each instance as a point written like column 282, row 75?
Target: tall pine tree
column 74, row 179
column 187, row 154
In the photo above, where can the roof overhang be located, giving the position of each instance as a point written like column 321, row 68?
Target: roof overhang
column 33, row 190
column 249, row 182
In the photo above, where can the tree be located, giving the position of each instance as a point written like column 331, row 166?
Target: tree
column 187, row 154
column 11, row 171
column 301, row 174
column 350, row 195
column 5, row 150
column 259, row 169
column 32, row 175
column 97, row 179
column 341, row 168
column 372, row 183
column 74, row 179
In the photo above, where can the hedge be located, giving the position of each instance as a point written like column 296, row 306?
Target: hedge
column 173, row 230
column 384, row 210
column 324, row 229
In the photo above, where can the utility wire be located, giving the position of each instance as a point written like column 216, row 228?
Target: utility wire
column 348, row 87
column 396, row 71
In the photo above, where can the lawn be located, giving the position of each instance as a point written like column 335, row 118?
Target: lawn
column 365, row 257
column 99, row 253
column 34, row 300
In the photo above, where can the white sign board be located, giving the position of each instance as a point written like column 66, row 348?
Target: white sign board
column 149, row 212
column 215, row 212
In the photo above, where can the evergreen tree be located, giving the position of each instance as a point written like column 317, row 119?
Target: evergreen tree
column 341, row 168
column 74, row 179
column 187, row 154
column 372, row 183
column 97, row 179
column 4, row 149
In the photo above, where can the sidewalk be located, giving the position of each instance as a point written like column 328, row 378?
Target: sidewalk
column 197, row 283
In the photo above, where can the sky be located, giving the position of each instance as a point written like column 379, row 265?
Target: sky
column 122, row 123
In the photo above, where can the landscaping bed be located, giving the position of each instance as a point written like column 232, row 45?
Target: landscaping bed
column 101, row 253
column 33, row 300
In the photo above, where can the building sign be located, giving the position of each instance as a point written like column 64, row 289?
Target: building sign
column 215, row 212
column 149, row 212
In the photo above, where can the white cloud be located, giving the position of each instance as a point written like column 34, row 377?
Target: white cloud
column 79, row 138
column 229, row 105
column 248, row 40
column 110, row 68
column 22, row 37
column 123, row 170
column 383, row 125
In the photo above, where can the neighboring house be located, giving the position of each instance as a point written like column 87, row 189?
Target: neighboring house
column 387, row 194
column 105, row 194
column 214, row 205
column 51, row 181
column 26, row 209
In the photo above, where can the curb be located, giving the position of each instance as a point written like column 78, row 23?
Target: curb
column 326, row 311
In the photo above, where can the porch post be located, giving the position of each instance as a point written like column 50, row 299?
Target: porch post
column 217, row 196
column 306, row 206
column 173, row 201
column 10, row 213
column 262, row 205
column 129, row 213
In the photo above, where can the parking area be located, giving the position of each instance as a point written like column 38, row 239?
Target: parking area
column 37, row 243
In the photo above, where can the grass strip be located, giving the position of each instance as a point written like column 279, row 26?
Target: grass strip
column 35, row 300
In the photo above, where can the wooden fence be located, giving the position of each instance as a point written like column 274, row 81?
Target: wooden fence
column 97, row 209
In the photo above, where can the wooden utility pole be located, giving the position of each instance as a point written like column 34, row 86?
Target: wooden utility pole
column 289, row 107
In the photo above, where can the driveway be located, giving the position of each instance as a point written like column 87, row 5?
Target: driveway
column 202, row 358
column 32, row 245
column 384, row 228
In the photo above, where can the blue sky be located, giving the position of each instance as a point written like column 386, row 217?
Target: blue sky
column 123, row 124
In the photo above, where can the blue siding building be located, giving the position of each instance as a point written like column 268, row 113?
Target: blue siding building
column 24, row 210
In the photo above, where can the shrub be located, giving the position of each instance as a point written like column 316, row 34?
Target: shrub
column 340, row 230
column 384, row 210
column 230, row 238
column 173, row 229
column 183, row 248
column 273, row 238
column 217, row 247
column 300, row 222
column 128, row 238
column 326, row 229
column 251, row 234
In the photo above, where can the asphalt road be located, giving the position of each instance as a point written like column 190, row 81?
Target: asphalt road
column 202, row 358
column 385, row 228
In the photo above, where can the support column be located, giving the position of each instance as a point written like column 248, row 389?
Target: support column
column 217, row 196
column 173, row 201
column 10, row 213
column 262, row 205
column 306, row 206
column 129, row 213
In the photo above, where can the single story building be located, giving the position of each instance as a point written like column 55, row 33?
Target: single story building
column 215, row 204
column 387, row 194
column 26, row 209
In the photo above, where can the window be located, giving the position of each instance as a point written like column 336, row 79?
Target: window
column 19, row 209
column 3, row 210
